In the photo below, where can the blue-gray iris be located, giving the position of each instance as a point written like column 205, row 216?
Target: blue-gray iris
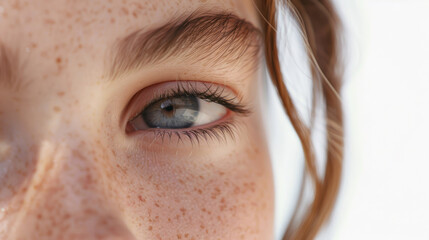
column 177, row 112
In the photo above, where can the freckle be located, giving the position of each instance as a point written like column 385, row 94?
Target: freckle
column 135, row 14
column 183, row 210
column 57, row 109
column 179, row 236
column 112, row 20
column 44, row 54
column 60, row 94
column 139, row 6
column 157, row 205
column 109, row 10
column 125, row 11
column 186, row 235
column 49, row 21
column 141, row 199
column 28, row 20
column 222, row 207
column 58, row 60
column 150, row 228
column 16, row 5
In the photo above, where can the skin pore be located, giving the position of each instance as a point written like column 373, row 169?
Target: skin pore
column 69, row 80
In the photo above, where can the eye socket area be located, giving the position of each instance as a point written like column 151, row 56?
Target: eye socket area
column 183, row 106
column 178, row 112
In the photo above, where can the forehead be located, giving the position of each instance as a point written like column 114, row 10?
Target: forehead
column 32, row 23
column 66, row 41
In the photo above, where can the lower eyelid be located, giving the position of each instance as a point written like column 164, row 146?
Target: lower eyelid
column 219, row 132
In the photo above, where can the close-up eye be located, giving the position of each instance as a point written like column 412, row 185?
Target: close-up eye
column 192, row 108
column 178, row 112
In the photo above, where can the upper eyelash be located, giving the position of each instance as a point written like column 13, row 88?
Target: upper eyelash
column 211, row 93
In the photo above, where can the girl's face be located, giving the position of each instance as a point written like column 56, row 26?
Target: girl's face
column 132, row 119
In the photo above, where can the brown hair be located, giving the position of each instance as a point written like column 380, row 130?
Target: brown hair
column 319, row 24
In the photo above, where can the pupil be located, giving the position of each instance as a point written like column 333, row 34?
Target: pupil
column 178, row 112
column 167, row 106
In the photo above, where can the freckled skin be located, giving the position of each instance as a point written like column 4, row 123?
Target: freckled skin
column 67, row 168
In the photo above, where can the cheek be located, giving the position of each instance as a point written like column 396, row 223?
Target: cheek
column 197, row 197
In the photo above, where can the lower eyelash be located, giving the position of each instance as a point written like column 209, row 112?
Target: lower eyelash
column 219, row 132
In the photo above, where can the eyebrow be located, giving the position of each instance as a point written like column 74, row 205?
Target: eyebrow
column 211, row 37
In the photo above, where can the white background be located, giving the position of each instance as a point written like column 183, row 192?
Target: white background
column 385, row 188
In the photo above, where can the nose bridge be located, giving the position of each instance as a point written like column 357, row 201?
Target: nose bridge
column 64, row 167
column 65, row 197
